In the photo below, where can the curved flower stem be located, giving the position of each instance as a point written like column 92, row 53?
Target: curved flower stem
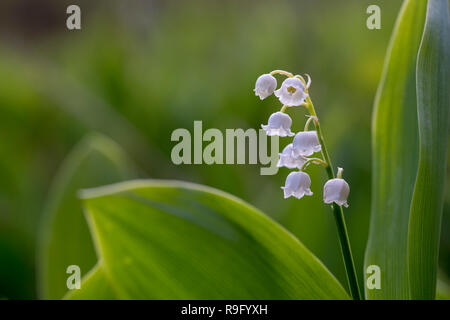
column 338, row 213
column 287, row 74
column 311, row 118
column 313, row 160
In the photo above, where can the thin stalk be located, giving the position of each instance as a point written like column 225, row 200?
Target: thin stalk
column 311, row 118
column 338, row 214
column 285, row 73
column 313, row 160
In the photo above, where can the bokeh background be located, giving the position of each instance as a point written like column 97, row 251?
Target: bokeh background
column 140, row 69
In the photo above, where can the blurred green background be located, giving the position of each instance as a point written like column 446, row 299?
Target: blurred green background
column 140, row 69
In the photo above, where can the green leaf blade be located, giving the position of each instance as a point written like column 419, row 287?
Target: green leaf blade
column 173, row 240
column 433, row 97
column 64, row 237
column 395, row 156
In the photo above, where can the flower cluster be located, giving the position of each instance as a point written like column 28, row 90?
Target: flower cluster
column 293, row 93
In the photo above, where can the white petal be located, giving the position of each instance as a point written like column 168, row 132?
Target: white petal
column 305, row 144
column 279, row 124
column 336, row 190
column 288, row 161
column 297, row 184
column 298, row 194
column 265, row 85
column 287, row 192
column 285, row 132
column 292, row 92
column 278, row 92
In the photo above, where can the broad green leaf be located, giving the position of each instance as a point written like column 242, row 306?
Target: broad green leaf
column 433, row 103
column 395, row 155
column 65, row 239
column 175, row 240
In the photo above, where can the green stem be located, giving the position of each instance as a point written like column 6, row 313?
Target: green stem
column 311, row 118
column 338, row 214
column 313, row 160
column 285, row 73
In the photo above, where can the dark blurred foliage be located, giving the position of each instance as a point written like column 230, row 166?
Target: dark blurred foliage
column 140, row 69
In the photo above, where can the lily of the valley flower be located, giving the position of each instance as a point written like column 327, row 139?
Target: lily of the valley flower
column 305, row 144
column 292, row 92
column 265, row 86
column 279, row 125
column 287, row 160
column 297, row 185
column 336, row 190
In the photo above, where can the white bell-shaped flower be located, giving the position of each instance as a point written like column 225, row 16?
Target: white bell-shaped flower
column 288, row 160
column 336, row 190
column 279, row 125
column 265, row 86
column 297, row 185
column 305, row 144
column 292, row 92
